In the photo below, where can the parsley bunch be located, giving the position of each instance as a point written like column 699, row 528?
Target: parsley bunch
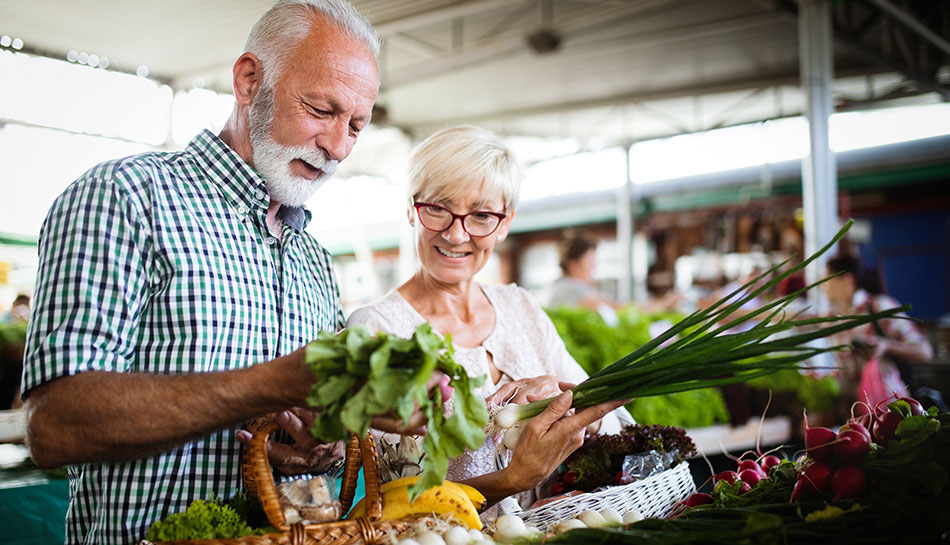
column 210, row 519
column 360, row 376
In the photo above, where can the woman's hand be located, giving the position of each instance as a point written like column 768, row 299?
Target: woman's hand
column 549, row 438
column 526, row 390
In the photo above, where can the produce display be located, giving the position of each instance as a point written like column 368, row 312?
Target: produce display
column 700, row 352
column 599, row 461
column 882, row 478
column 389, row 375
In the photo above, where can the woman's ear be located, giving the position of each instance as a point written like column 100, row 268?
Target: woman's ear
column 505, row 227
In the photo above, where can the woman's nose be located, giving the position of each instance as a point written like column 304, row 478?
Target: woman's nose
column 455, row 234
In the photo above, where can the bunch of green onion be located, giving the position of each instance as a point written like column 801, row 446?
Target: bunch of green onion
column 708, row 355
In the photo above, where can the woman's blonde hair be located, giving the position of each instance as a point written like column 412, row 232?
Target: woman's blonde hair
column 453, row 161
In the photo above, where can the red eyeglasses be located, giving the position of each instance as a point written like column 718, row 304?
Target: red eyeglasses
column 479, row 223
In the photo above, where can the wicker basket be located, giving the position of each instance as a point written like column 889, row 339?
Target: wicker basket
column 657, row 496
column 259, row 481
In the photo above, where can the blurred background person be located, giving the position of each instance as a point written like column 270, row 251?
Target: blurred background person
column 577, row 258
column 882, row 349
column 19, row 310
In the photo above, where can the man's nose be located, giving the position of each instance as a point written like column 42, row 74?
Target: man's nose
column 335, row 140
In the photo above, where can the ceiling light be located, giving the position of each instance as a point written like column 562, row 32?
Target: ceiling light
column 17, row 43
column 5, row 41
column 142, row 71
column 544, row 41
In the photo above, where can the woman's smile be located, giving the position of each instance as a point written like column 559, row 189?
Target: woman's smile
column 451, row 254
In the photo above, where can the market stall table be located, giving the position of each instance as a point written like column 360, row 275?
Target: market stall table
column 33, row 502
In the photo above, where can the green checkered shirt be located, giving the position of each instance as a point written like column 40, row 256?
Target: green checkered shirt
column 162, row 263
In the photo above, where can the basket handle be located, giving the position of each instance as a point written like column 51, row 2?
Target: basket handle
column 259, row 479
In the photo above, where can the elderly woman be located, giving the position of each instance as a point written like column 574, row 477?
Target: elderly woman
column 463, row 188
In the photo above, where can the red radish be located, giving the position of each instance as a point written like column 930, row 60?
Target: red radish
column 885, row 426
column 569, row 477
column 770, row 461
column 728, row 476
column 852, row 446
column 744, row 487
column 818, row 442
column 750, row 476
column 855, row 426
column 801, row 492
column 915, row 407
column 557, row 489
column 816, row 477
column 749, row 464
column 849, row 482
column 697, row 499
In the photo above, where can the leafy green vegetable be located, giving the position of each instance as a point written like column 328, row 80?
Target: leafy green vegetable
column 389, row 375
column 690, row 409
column 204, row 519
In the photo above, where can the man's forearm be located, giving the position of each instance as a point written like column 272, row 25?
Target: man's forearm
column 107, row 416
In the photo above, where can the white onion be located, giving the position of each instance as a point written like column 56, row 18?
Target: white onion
column 429, row 538
column 457, row 536
column 592, row 519
column 507, row 417
column 509, row 528
column 569, row 524
column 477, row 536
column 632, row 516
column 512, row 435
column 407, row 541
column 612, row 517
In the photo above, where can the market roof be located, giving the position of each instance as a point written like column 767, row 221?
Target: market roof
column 615, row 70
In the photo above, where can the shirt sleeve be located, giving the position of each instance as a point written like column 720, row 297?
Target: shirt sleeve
column 92, row 281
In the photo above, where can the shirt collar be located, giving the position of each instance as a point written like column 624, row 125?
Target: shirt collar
column 242, row 187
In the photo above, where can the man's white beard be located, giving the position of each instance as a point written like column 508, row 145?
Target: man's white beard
column 272, row 160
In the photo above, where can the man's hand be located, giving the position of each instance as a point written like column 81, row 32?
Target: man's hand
column 307, row 454
column 416, row 425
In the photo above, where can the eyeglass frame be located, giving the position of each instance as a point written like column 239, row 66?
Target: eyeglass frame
column 461, row 217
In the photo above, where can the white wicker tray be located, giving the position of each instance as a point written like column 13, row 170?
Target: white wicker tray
column 655, row 497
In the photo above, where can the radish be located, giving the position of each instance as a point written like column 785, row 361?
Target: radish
column 801, row 492
column 852, row 446
column 849, row 482
column 728, row 476
column 885, row 427
column 751, row 476
column 749, row 464
column 744, row 487
column 697, row 499
column 818, row 442
column 916, row 408
column 816, row 477
column 770, row 461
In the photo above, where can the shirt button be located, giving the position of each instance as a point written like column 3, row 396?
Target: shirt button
column 242, row 210
column 271, row 241
column 259, row 195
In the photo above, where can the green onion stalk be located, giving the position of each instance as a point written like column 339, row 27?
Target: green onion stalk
column 708, row 355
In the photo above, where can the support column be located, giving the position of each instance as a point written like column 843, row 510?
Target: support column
column 819, row 169
column 625, row 228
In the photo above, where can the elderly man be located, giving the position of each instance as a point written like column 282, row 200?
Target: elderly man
column 175, row 290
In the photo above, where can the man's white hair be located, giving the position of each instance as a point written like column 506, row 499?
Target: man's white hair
column 277, row 33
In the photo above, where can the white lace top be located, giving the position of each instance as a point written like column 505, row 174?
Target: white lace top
column 524, row 344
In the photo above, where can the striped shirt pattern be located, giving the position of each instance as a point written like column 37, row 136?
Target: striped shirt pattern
column 162, row 263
